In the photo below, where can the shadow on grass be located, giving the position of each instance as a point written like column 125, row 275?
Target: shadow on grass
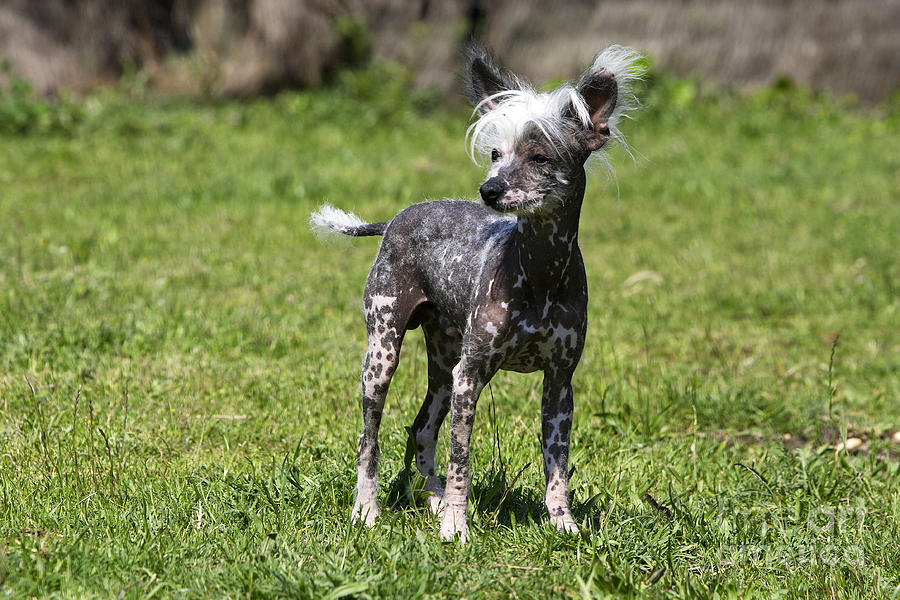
column 496, row 497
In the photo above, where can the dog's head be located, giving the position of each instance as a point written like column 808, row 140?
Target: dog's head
column 538, row 142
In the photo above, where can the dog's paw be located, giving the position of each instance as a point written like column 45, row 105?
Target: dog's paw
column 564, row 523
column 453, row 522
column 435, row 503
column 365, row 513
column 435, row 498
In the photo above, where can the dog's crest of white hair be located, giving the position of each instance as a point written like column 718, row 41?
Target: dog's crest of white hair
column 328, row 223
column 547, row 111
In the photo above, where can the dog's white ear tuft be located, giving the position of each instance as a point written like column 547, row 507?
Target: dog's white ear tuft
column 607, row 89
column 600, row 93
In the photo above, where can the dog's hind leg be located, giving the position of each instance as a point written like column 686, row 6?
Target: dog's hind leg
column 443, row 346
column 385, row 324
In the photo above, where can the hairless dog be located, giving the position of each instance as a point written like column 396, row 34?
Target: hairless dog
column 493, row 285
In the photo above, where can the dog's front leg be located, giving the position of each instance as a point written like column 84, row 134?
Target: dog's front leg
column 467, row 385
column 556, row 426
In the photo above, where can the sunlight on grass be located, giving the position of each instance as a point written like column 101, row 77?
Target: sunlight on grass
column 179, row 357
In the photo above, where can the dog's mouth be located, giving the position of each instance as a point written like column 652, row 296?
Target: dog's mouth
column 503, row 205
column 515, row 202
column 523, row 206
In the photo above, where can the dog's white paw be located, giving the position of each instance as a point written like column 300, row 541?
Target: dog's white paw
column 435, row 502
column 365, row 513
column 564, row 523
column 453, row 522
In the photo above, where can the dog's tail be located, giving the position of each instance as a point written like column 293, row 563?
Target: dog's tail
column 329, row 221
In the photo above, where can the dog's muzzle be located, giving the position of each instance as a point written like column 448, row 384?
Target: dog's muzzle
column 492, row 190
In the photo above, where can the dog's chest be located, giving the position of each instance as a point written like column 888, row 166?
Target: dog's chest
column 535, row 341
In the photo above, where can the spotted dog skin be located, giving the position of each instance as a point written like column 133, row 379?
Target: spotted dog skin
column 494, row 285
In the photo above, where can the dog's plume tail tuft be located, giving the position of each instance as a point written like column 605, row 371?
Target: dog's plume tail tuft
column 329, row 221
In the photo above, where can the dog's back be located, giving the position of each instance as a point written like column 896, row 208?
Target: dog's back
column 440, row 251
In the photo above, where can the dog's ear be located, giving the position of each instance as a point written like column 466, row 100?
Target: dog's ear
column 484, row 78
column 601, row 93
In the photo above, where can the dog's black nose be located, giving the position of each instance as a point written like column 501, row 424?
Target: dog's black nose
column 492, row 189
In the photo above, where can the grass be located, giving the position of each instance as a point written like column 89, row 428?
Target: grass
column 178, row 357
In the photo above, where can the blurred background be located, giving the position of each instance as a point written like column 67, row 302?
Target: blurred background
column 243, row 48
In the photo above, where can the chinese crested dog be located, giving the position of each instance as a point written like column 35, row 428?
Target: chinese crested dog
column 497, row 284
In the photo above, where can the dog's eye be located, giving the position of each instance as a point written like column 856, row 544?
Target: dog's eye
column 495, row 155
column 540, row 159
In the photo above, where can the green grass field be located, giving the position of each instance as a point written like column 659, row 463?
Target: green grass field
column 179, row 356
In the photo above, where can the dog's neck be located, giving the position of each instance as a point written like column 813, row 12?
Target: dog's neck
column 546, row 244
